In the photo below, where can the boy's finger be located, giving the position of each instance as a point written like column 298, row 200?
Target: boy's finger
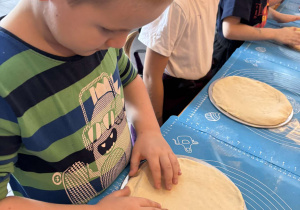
column 122, row 193
column 134, row 164
column 175, row 166
column 148, row 203
column 156, row 172
column 167, row 171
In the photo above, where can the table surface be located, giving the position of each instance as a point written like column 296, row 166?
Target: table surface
column 263, row 163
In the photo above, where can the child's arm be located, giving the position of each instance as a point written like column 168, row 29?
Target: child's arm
column 19, row 203
column 154, row 67
column 280, row 17
column 115, row 201
column 234, row 30
column 274, row 2
column 150, row 144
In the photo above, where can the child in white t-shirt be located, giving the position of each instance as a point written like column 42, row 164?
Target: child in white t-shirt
column 179, row 54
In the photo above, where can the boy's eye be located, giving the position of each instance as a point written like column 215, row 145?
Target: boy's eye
column 105, row 30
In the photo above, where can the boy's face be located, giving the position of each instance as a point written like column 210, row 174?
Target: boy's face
column 87, row 28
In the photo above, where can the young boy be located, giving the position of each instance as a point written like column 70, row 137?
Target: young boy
column 235, row 24
column 63, row 128
column 179, row 54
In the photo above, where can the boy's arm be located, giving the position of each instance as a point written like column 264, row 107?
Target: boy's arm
column 117, row 200
column 150, row 144
column 282, row 18
column 139, row 107
column 154, row 67
column 19, row 203
column 274, row 2
column 234, row 30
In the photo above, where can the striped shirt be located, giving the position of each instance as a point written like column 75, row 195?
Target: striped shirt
column 64, row 136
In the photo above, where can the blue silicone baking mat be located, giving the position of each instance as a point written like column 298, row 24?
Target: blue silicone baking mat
column 274, row 52
column 280, row 146
column 262, row 184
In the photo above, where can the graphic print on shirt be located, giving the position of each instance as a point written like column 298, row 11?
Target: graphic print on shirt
column 260, row 15
column 104, row 126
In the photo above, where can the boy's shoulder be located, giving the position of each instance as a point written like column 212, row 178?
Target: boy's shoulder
column 184, row 5
column 9, row 45
column 10, row 49
column 189, row 7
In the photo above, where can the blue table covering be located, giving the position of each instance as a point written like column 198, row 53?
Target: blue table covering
column 273, row 52
column 279, row 146
column 263, row 185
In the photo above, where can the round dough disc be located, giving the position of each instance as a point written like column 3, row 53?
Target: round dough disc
column 199, row 187
column 251, row 101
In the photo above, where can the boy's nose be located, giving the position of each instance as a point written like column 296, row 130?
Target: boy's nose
column 118, row 41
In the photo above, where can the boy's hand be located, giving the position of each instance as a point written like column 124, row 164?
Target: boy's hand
column 288, row 35
column 281, row 17
column 120, row 200
column 162, row 161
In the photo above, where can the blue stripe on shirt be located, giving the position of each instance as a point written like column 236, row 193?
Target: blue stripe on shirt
column 6, row 50
column 14, row 160
column 3, row 178
column 6, row 112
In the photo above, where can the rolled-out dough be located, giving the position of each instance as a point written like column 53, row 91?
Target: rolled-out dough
column 200, row 187
column 251, row 101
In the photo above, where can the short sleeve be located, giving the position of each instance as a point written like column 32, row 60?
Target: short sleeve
column 161, row 34
column 236, row 8
column 10, row 142
column 127, row 72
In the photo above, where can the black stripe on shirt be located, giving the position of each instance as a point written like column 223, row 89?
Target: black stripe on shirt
column 126, row 69
column 25, row 162
column 9, row 144
column 120, row 53
column 49, row 82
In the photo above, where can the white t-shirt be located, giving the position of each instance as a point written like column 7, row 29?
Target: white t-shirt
column 184, row 33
